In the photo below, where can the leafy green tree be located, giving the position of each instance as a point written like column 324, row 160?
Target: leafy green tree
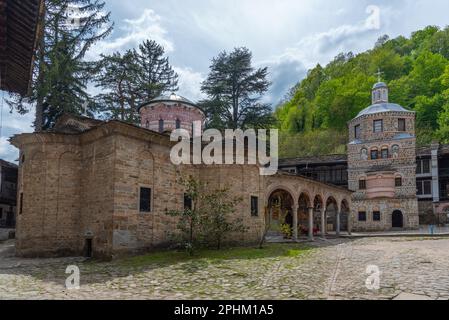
column 416, row 70
column 217, row 223
column 189, row 223
column 61, row 74
column 234, row 90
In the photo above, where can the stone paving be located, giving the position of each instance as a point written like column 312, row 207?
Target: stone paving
column 333, row 269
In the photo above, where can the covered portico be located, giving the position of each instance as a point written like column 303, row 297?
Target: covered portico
column 309, row 207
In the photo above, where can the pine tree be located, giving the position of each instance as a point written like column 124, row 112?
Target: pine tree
column 155, row 74
column 116, row 76
column 134, row 78
column 234, row 89
column 69, row 29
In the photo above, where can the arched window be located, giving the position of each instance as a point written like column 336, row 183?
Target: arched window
column 374, row 154
column 147, row 124
column 178, row 124
column 161, row 126
column 385, row 153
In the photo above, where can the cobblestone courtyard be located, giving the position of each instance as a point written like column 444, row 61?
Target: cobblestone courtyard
column 334, row 269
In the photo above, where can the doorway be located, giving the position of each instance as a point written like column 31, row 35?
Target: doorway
column 398, row 220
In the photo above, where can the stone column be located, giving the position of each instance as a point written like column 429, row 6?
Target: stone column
column 295, row 222
column 338, row 223
column 323, row 223
column 311, row 238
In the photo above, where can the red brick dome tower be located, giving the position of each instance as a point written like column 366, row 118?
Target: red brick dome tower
column 167, row 113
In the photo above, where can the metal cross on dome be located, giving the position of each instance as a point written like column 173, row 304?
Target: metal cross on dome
column 379, row 73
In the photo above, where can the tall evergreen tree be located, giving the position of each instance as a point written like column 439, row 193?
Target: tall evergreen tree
column 133, row 78
column 154, row 75
column 234, row 90
column 116, row 76
column 68, row 30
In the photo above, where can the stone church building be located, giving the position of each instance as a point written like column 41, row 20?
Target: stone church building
column 102, row 188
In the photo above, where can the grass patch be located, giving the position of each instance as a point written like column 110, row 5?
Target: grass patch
column 216, row 256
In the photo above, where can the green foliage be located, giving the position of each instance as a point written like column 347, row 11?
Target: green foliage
column 209, row 221
column 319, row 107
column 313, row 143
column 61, row 73
column 286, row 231
column 234, row 89
column 189, row 221
column 216, row 222
column 131, row 79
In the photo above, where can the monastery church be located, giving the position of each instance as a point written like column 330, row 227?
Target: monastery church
column 102, row 188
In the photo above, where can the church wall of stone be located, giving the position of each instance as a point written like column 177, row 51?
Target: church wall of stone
column 409, row 208
column 244, row 182
column 47, row 220
column 97, row 194
column 143, row 164
column 380, row 192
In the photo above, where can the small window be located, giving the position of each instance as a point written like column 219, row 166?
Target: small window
column 357, row 132
column 254, row 206
column 374, row 154
column 145, row 200
column 385, row 153
column 378, row 126
column 401, row 125
column 178, row 124
column 362, row 184
column 188, row 203
column 147, row 125
column 21, row 203
column 398, row 182
column 161, row 126
column 376, row 216
column 362, row 216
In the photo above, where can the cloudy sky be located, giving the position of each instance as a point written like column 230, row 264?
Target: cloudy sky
column 288, row 36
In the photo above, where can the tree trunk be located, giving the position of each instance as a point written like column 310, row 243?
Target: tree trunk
column 39, row 117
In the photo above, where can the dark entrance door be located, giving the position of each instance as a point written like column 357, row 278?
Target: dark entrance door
column 398, row 219
column 88, row 248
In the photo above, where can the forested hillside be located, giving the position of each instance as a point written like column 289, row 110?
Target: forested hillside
column 313, row 119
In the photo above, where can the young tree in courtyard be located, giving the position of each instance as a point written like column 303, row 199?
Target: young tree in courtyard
column 234, row 89
column 190, row 216
column 216, row 221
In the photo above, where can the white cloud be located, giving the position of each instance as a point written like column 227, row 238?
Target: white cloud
column 190, row 83
column 322, row 47
column 132, row 33
column 13, row 123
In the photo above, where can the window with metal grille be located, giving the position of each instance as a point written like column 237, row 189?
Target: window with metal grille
column 362, row 184
column 145, row 200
